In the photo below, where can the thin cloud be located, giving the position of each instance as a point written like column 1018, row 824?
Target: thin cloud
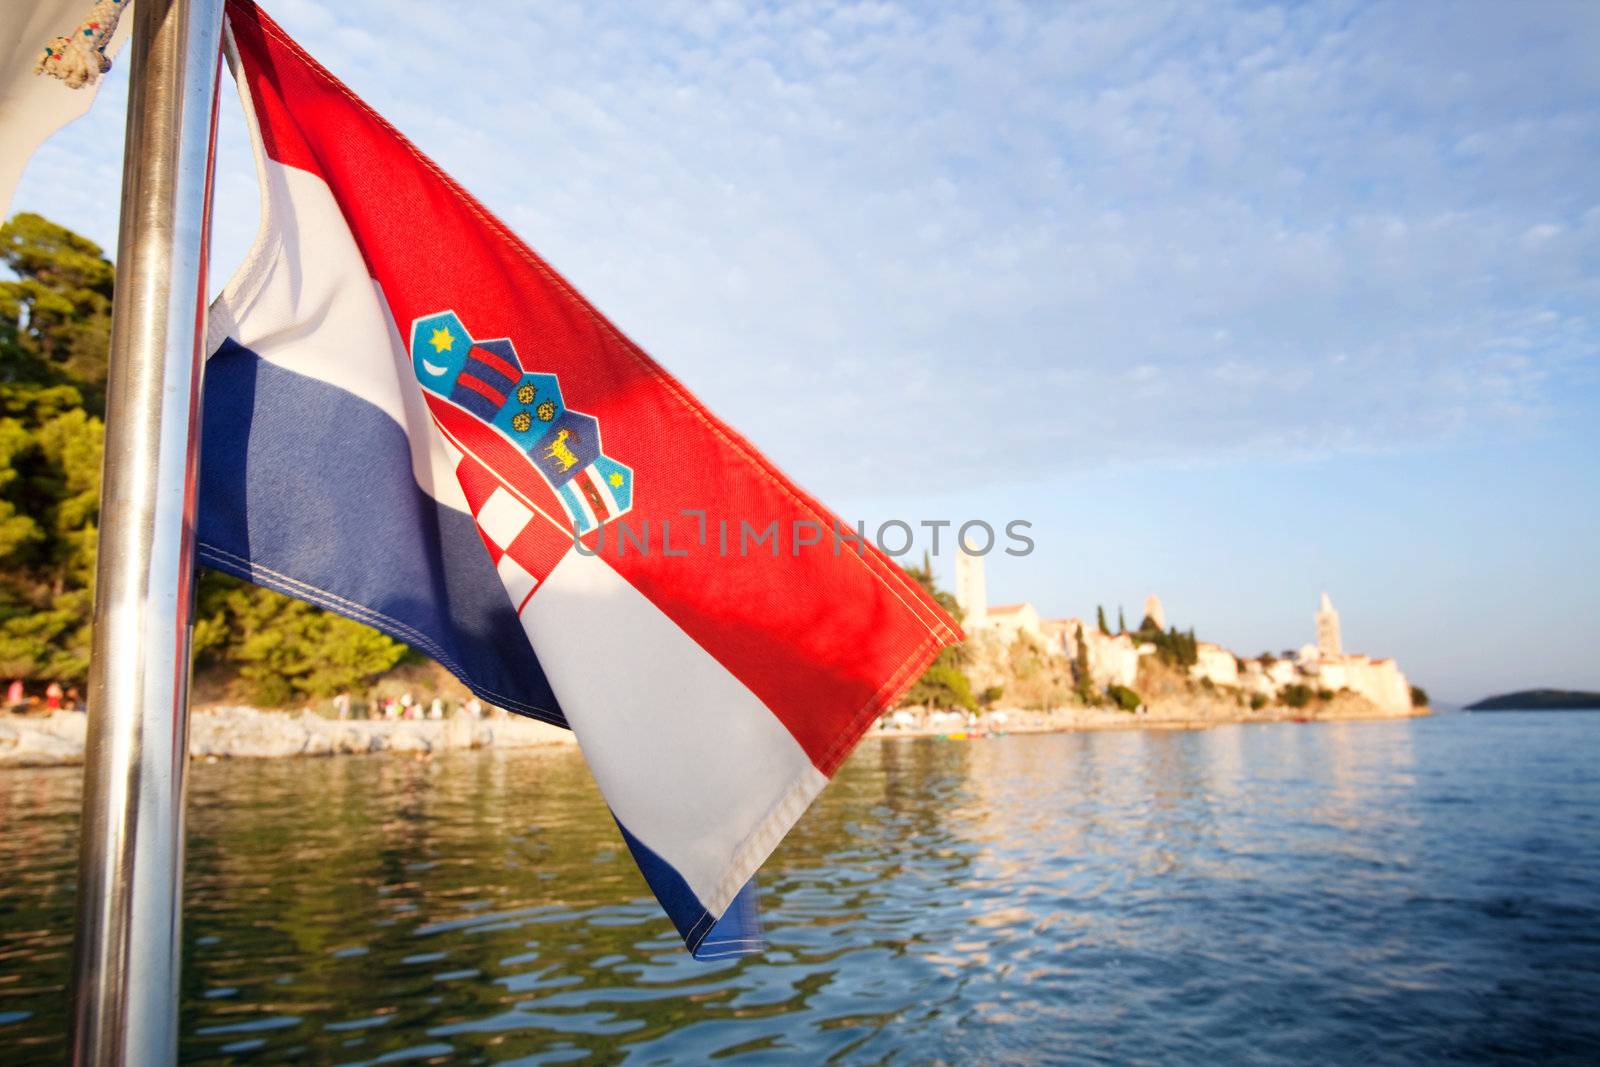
column 934, row 239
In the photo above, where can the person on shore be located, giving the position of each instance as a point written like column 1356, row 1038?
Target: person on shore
column 436, row 709
column 16, row 696
column 474, row 707
column 407, row 706
column 74, row 699
column 52, row 696
column 341, row 704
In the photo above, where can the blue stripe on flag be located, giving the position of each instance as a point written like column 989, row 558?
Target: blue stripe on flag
column 737, row 933
column 489, row 375
column 308, row 489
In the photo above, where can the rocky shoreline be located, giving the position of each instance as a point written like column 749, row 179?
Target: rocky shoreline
column 1196, row 712
column 57, row 740
column 248, row 733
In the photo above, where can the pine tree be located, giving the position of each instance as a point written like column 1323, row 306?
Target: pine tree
column 1085, row 683
column 55, row 329
column 943, row 684
column 1100, row 618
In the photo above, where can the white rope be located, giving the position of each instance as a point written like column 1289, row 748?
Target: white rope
column 80, row 58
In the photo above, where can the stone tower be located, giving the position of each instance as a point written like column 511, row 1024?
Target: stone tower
column 970, row 591
column 1155, row 612
column 1328, row 642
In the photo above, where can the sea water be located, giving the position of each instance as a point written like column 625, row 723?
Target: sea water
column 1416, row 891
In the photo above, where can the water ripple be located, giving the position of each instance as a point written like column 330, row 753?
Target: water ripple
column 1417, row 891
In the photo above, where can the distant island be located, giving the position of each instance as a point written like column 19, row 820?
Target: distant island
column 1540, row 700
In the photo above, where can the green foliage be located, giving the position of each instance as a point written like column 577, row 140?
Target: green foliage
column 1257, row 701
column 1083, row 683
column 55, row 322
column 943, row 684
column 284, row 649
column 1419, row 697
column 1122, row 623
column 55, row 329
column 923, row 576
column 1324, row 694
column 1100, row 619
column 991, row 695
column 1172, row 648
column 55, row 317
column 1295, row 696
column 1124, row 698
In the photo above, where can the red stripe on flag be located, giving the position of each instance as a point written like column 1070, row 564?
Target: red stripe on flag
column 476, row 482
column 481, row 387
column 483, row 355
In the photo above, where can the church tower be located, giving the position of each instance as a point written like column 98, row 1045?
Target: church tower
column 1328, row 642
column 970, row 591
column 1155, row 612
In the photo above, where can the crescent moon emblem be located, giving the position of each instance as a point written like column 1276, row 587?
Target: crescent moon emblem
column 433, row 368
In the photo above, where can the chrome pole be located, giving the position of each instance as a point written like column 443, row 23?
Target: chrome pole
column 130, row 873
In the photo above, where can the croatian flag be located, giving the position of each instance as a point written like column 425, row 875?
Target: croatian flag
column 412, row 420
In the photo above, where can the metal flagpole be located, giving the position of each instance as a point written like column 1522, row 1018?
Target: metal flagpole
column 130, row 874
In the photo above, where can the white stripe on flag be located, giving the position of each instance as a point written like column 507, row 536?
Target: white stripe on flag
column 518, row 582
column 305, row 268
column 691, row 762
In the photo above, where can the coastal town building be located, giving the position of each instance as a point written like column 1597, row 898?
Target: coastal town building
column 1058, row 635
column 1379, row 680
column 1113, row 658
column 1155, row 612
column 971, row 595
column 1328, row 640
column 1004, row 622
column 1009, row 621
column 1215, row 664
column 1326, row 667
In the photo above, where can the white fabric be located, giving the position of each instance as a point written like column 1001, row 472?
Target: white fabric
column 32, row 106
column 518, row 582
column 304, row 301
column 503, row 517
column 691, row 762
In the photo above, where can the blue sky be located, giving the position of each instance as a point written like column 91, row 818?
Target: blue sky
column 1233, row 302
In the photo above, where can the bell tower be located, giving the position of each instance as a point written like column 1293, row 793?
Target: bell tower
column 970, row 591
column 1329, row 644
